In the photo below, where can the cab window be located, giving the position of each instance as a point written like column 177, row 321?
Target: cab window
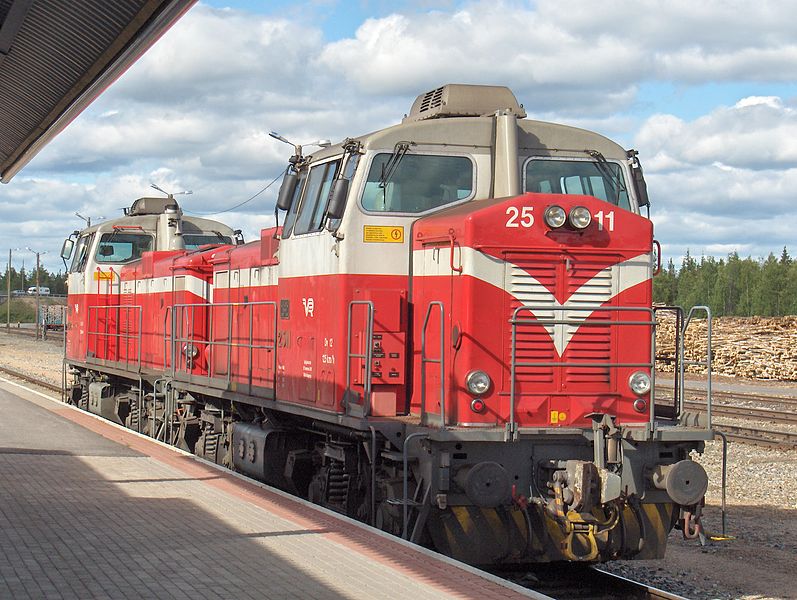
column 290, row 218
column 81, row 253
column 316, row 197
column 418, row 183
column 122, row 247
column 604, row 180
column 193, row 241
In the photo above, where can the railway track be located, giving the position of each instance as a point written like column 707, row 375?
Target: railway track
column 700, row 394
column 579, row 582
column 783, row 440
column 730, row 407
column 583, row 582
column 40, row 382
column 744, row 412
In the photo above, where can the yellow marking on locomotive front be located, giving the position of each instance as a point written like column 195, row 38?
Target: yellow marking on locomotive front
column 105, row 275
column 383, row 234
column 558, row 417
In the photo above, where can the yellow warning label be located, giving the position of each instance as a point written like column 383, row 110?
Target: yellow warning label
column 558, row 417
column 103, row 275
column 385, row 234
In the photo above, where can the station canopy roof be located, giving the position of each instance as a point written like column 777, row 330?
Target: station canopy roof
column 57, row 56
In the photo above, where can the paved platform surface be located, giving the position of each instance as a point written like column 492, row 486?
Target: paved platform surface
column 88, row 510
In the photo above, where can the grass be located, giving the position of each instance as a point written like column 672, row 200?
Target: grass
column 21, row 311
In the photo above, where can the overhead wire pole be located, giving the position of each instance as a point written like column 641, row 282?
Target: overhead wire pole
column 8, row 290
column 38, row 317
column 8, row 296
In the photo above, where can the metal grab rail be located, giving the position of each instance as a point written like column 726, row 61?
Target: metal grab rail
column 119, row 335
column 700, row 363
column 180, row 337
column 369, row 351
column 676, row 392
column 515, row 321
column 440, row 361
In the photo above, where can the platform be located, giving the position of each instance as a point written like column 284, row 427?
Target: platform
column 91, row 510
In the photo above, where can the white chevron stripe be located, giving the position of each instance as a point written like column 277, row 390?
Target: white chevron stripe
column 496, row 272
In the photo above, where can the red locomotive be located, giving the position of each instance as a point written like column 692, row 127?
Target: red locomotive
column 451, row 337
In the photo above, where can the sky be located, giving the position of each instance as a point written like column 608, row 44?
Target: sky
column 705, row 91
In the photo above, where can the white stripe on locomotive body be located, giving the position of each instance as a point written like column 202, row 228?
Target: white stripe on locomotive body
column 435, row 262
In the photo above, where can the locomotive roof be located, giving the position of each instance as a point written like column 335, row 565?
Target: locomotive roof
column 461, row 116
column 150, row 222
column 537, row 137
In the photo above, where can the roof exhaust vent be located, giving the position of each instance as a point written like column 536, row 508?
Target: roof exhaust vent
column 153, row 206
column 461, row 100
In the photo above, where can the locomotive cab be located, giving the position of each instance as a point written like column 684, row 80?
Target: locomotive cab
column 100, row 252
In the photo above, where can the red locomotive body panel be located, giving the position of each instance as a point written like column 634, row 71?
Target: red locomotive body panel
column 486, row 262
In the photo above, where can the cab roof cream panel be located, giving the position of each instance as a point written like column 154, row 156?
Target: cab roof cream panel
column 540, row 138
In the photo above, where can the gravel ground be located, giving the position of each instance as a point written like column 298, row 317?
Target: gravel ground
column 758, row 563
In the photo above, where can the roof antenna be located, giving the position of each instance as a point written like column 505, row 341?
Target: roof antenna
column 170, row 195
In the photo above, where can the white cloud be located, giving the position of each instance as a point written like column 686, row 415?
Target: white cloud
column 195, row 111
column 755, row 133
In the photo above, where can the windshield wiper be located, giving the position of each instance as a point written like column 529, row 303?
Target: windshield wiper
column 610, row 176
column 389, row 168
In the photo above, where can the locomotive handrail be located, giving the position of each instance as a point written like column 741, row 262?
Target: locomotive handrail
column 367, row 357
column 228, row 344
column 118, row 336
column 440, row 361
column 676, row 391
column 512, row 433
column 700, row 363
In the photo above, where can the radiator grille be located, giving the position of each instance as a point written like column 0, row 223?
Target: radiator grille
column 533, row 342
column 531, row 280
column 587, row 288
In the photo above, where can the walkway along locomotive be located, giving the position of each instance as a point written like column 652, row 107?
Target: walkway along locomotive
column 451, row 337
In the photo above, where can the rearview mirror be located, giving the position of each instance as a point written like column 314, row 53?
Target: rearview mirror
column 287, row 189
column 66, row 249
column 337, row 198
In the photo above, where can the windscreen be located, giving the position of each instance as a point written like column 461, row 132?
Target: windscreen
column 122, row 247
column 418, row 183
column 193, row 241
column 603, row 180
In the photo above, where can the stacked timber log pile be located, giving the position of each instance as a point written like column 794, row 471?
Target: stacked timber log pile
column 748, row 347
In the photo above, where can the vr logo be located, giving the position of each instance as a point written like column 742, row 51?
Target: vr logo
column 309, row 306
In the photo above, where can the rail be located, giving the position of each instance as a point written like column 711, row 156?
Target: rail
column 441, row 361
column 97, row 336
column 185, row 345
column 367, row 356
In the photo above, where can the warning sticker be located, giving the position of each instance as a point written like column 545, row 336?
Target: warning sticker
column 385, row 234
column 558, row 417
column 100, row 275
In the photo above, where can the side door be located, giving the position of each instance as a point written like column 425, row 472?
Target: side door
column 308, row 294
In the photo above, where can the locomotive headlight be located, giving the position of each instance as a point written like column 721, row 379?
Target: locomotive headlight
column 639, row 382
column 580, row 217
column 555, row 216
column 478, row 382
